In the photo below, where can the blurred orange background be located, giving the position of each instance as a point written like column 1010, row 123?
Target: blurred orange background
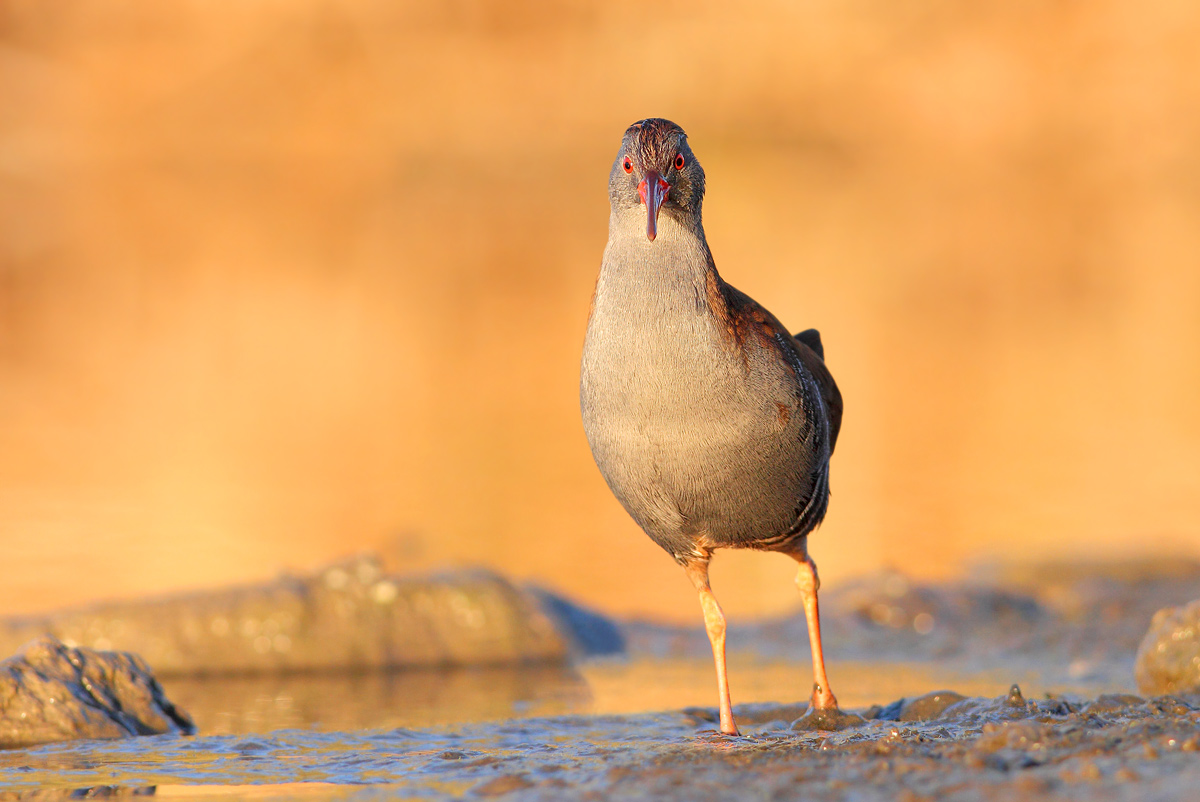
column 281, row 281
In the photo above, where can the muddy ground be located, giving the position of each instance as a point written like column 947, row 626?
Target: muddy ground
column 1077, row 727
column 1111, row 748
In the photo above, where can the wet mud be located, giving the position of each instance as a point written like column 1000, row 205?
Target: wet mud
column 1114, row 747
column 1021, row 687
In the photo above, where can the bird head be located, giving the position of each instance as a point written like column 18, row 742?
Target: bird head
column 656, row 169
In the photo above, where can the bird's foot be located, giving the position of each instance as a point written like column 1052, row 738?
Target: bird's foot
column 829, row 719
column 824, row 714
column 727, row 725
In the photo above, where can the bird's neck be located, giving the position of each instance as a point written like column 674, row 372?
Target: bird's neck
column 664, row 278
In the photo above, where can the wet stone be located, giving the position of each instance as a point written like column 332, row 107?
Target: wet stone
column 1168, row 659
column 52, row 692
column 348, row 616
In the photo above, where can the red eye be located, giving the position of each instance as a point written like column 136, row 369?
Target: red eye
column 627, row 164
column 679, row 161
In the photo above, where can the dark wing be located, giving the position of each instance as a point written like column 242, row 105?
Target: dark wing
column 812, row 355
column 744, row 318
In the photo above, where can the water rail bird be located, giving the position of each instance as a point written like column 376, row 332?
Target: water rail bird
column 712, row 425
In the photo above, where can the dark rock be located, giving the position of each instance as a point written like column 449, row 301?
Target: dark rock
column 348, row 616
column 1168, row 660
column 52, row 692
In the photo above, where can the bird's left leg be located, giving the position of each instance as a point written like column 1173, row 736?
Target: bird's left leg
column 808, row 583
column 714, row 624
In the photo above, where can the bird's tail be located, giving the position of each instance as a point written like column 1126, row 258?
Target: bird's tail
column 812, row 338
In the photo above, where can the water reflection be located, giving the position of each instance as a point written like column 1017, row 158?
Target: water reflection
column 378, row 700
column 451, row 697
column 638, row 686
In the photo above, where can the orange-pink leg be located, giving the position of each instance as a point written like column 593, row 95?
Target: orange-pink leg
column 714, row 624
column 808, row 582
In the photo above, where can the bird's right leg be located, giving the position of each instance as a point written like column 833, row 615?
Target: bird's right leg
column 808, row 583
column 714, row 624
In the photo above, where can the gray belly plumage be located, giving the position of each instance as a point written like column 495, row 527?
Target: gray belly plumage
column 703, row 448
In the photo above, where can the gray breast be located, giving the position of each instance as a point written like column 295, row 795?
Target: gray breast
column 704, row 445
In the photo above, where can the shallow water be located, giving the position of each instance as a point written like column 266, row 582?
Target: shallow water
column 380, row 700
column 445, row 698
column 437, row 734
